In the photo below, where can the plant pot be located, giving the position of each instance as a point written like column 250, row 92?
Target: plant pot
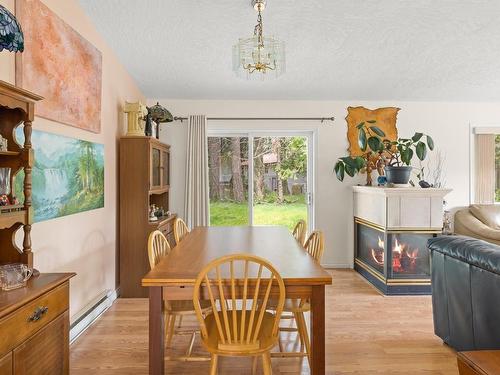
column 398, row 175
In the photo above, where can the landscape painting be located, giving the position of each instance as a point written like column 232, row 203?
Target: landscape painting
column 68, row 175
column 60, row 65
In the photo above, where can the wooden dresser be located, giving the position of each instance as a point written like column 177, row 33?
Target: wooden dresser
column 34, row 319
column 144, row 180
column 34, row 326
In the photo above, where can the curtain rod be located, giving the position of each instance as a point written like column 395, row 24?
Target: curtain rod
column 322, row 119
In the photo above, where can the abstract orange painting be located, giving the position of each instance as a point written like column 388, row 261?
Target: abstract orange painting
column 61, row 65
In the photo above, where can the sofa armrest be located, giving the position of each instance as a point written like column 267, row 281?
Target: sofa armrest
column 469, row 250
column 473, row 225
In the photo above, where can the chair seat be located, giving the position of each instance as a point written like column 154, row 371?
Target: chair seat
column 184, row 306
column 265, row 339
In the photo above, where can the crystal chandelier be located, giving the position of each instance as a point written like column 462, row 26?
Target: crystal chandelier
column 259, row 56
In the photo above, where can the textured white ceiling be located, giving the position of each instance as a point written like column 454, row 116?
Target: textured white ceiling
column 336, row 49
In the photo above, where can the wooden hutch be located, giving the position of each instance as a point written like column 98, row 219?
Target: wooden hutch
column 34, row 320
column 144, row 180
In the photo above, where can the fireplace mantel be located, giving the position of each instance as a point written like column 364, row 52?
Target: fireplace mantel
column 400, row 208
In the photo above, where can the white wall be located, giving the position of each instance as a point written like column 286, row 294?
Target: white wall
column 85, row 243
column 448, row 123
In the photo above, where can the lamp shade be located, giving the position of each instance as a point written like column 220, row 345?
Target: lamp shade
column 160, row 114
column 11, row 35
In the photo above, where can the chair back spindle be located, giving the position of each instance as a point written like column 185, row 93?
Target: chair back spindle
column 299, row 232
column 239, row 303
column 180, row 230
column 315, row 245
column 158, row 247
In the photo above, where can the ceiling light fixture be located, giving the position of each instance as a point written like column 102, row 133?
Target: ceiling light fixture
column 259, row 56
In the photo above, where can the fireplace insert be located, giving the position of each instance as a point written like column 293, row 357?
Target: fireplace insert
column 396, row 262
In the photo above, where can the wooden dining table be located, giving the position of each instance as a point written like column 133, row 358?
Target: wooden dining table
column 173, row 278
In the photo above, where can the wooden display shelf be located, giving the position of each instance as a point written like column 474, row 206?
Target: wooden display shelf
column 10, row 153
column 162, row 220
column 8, row 219
column 162, row 190
column 11, row 208
column 17, row 107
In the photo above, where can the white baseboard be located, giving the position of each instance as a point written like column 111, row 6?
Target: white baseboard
column 337, row 265
column 90, row 313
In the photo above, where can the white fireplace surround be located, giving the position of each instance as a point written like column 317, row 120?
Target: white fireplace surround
column 400, row 208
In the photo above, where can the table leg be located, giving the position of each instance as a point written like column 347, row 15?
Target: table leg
column 156, row 332
column 318, row 330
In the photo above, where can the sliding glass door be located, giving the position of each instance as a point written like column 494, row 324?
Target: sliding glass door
column 279, row 180
column 228, row 178
column 260, row 178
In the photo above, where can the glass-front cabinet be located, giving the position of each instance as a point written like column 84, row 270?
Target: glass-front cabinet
column 160, row 167
column 165, row 167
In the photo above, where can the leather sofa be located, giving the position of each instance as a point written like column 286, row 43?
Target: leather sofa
column 479, row 221
column 466, row 292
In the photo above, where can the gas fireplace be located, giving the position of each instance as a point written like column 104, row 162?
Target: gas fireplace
column 391, row 229
column 395, row 262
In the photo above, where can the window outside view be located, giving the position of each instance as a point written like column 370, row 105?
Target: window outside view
column 279, row 180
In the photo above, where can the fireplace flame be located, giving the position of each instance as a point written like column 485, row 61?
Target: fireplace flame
column 398, row 248
column 403, row 258
column 378, row 255
column 381, row 243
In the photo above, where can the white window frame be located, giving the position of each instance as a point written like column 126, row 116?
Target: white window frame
column 310, row 134
column 473, row 130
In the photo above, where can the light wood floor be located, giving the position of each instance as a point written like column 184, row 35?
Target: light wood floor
column 366, row 333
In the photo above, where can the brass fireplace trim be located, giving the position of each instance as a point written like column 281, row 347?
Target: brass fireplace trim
column 381, row 228
column 370, row 270
column 376, row 274
column 369, row 224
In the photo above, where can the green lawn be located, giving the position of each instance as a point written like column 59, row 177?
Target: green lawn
column 231, row 213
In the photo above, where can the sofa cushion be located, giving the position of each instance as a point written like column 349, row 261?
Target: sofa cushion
column 489, row 214
column 479, row 253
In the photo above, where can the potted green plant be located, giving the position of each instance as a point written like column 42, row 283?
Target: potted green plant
column 390, row 156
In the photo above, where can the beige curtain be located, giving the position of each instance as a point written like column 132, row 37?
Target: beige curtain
column 196, row 205
column 485, row 168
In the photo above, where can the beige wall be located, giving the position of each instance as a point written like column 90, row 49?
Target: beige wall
column 448, row 123
column 85, row 243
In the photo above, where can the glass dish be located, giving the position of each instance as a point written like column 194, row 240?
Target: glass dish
column 14, row 275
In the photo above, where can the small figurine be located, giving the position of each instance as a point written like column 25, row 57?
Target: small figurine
column 148, row 129
column 152, row 211
column 4, row 200
column 382, row 180
column 3, row 144
column 424, row 184
column 15, row 200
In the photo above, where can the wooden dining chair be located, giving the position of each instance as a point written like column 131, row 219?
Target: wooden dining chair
column 295, row 308
column 299, row 232
column 315, row 245
column 180, row 230
column 239, row 324
column 158, row 248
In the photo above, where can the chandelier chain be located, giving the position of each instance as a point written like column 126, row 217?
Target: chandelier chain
column 258, row 30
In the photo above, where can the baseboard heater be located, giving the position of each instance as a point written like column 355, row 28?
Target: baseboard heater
column 91, row 313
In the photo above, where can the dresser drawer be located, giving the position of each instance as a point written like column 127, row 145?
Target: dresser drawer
column 168, row 231
column 24, row 322
column 166, row 228
column 6, row 364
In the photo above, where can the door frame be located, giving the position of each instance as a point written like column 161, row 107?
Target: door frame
column 311, row 136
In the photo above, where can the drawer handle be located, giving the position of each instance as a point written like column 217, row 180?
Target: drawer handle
column 38, row 314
